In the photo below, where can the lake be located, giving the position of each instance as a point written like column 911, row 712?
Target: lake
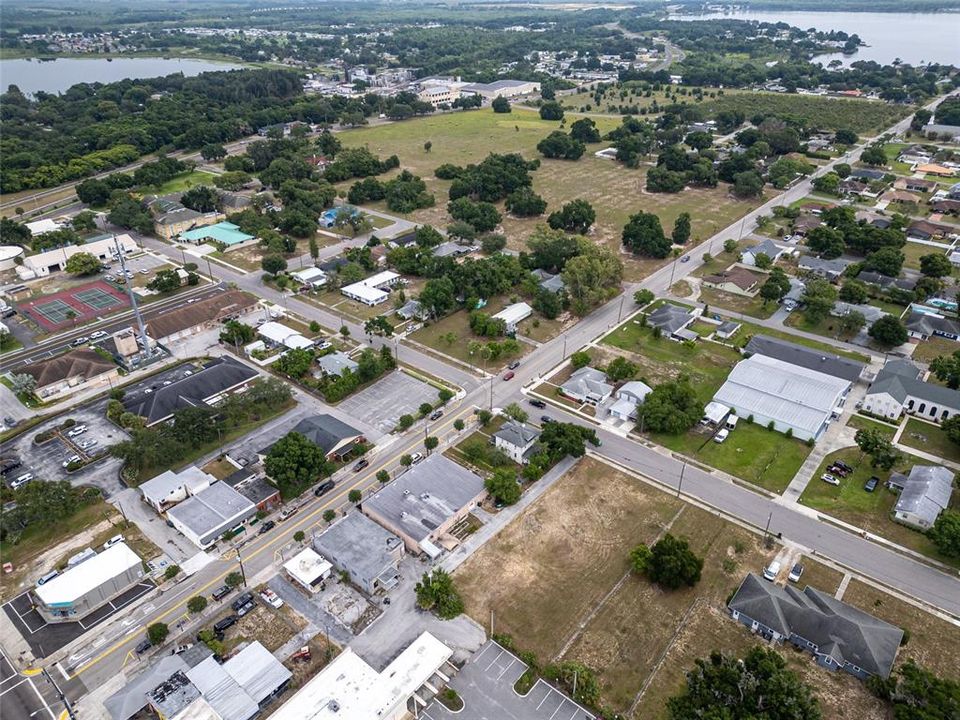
column 55, row 76
column 915, row 38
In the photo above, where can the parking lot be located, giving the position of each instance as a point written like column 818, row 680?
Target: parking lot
column 382, row 404
column 485, row 684
column 46, row 461
column 45, row 638
column 135, row 265
column 27, row 697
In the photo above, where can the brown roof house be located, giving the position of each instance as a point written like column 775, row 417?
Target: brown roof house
column 66, row 374
column 736, row 280
column 199, row 316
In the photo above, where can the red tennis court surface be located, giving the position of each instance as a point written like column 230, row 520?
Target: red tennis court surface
column 76, row 305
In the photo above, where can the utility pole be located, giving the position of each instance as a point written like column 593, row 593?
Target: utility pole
column 680, row 484
column 766, row 530
column 145, row 353
column 620, row 312
column 242, row 573
column 63, row 698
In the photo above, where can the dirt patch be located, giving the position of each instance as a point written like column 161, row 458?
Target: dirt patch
column 271, row 627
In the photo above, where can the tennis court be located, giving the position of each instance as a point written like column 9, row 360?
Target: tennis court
column 78, row 304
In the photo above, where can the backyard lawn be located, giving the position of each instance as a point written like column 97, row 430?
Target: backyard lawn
column 615, row 191
column 927, row 350
column 930, row 438
column 181, row 183
column 871, row 511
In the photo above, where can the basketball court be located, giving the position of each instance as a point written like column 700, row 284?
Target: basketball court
column 76, row 305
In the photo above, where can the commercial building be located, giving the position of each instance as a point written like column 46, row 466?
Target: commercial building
column 279, row 335
column 83, row 588
column 308, row 569
column 223, row 233
column 350, row 688
column 44, row 263
column 39, row 227
column 587, row 385
column 898, row 389
column 438, row 95
column 186, row 321
column 793, row 398
column 423, row 504
column 131, row 699
column 517, row 440
column 804, row 357
column 924, row 493
column 75, row 370
column 336, row 438
column 204, row 517
column 374, row 290
column 502, row 88
column 254, row 488
column 513, row 315
column 170, row 487
column 368, row 553
column 9, row 254
column 838, row 635
column 207, row 386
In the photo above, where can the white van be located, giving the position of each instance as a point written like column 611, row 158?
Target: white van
column 731, row 422
column 771, row 571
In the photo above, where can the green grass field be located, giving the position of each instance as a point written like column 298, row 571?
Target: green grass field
column 931, row 439
column 181, row 183
column 749, row 329
column 859, row 422
column 615, row 191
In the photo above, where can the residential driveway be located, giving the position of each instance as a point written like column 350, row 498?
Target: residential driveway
column 382, row 404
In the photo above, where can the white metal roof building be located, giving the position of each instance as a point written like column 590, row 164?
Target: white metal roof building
column 372, row 290
column 74, row 594
column 308, row 569
column 204, row 517
column 350, row 688
column 313, row 276
column 44, row 263
column 513, row 315
column 794, row 398
column 170, row 487
column 39, row 227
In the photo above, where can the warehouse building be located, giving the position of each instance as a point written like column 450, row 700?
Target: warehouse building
column 83, row 588
column 368, row 553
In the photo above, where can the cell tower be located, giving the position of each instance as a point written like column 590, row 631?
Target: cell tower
column 145, row 352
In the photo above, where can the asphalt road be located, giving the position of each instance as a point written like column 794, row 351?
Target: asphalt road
column 24, row 697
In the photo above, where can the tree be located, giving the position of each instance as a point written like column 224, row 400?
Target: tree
column 84, row 221
column 592, row 277
column 883, row 454
column 671, row 407
column 845, row 136
column 201, row 198
column 492, row 243
column 22, row 383
column 818, row 299
column 851, row 323
column 621, row 369
column 874, row 155
column 585, row 130
column 551, row 110
column 503, row 486
column 171, row 572
column 945, row 532
column 757, row 686
column 82, row 263
column 445, row 395
column 436, row 592
column 559, row 145
column 406, row 460
column 947, row 369
column 294, row 463
column 483, row 216
column 934, row 265
column 670, row 563
column 197, row 604
column 164, row 281
column 515, row 412
column 298, row 536
column 500, row 105
column 525, row 203
column 378, row 325
column 329, row 515
column 643, row 235
column 886, row 261
column 213, row 151
column 273, row 264
column 383, row 476
column 579, row 359
column 562, row 439
column 681, row 229
column 827, row 241
column 94, row 192
column 405, row 421
column 854, row 291
column 157, row 633
column 888, row 331
column 917, row 694
column 747, row 184
column 233, row 580
column 427, row 146
column 575, row 217
column 459, row 424
column 430, row 443
column 829, row 184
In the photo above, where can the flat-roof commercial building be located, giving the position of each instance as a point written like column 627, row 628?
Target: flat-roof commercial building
column 80, row 590
column 204, row 517
column 171, row 487
column 75, row 370
column 350, row 688
column 373, row 290
column 425, row 502
column 368, row 553
column 196, row 317
column 793, row 398
column 44, row 263
column 308, row 569
column 502, row 88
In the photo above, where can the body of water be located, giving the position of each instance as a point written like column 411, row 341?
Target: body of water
column 915, row 38
column 55, row 76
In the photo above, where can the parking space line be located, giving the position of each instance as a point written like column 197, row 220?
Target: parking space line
column 504, row 671
column 44, row 702
column 494, row 661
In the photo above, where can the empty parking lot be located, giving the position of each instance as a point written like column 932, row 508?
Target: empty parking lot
column 382, row 404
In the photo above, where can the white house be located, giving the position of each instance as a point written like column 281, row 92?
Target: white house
column 513, row 315
column 587, row 385
column 314, row 277
column 924, row 494
column 373, row 290
column 767, row 247
column 516, row 440
column 169, row 488
column 629, row 397
column 308, row 569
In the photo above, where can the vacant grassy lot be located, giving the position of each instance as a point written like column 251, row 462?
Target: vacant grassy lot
column 931, row 439
column 562, row 555
column 707, row 364
column 860, row 422
column 871, row 511
column 752, row 306
column 927, row 350
column 751, row 452
column 748, row 330
column 615, row 191
column 181, row 183
column 913, row 251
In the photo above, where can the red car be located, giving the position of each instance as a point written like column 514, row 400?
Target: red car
column 508, row 375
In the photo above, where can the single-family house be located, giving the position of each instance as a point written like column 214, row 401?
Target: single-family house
column 517, row 440
column 870, row 313
column 838, row 635
column 335, row 363
column 898, row 389
column 915, row 184
column 926, row 230
column 277, row 334
column 794, row 297
column 412, row 310
column 336, row 438
column 312, row 277
column 736, row 280
column 924, row 493
column 935, row 169
column 513, row 315
column 587, row 385
column 945, row 206
column 550, row 282
column 765, row 247
column 924, row 325
column 804, row 224
column 828, row 269
column 940, row 131
column 74, row 370
column 885, row 282
column 726, row 330
column 672, row 321
column 374, row 289
column 629, row 397
column 867, row 174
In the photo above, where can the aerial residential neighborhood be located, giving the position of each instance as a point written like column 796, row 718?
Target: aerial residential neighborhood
column 519, row 361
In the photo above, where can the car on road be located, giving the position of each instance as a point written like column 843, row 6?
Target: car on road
column 220, row 593
column 538, row 403
column 795, row 572
column 97, row 334
column 78, row 430
column 546, row 419
column 143, row 646
column 771, row 571
column 436, row 414
column 360, row 464
column 71, row 459
column 271, row 598
column 415, row 458
column 514, row 365
column 831, row 479
column 267, row 527
column 324, row 488
column 872, row 483
column 721, row 436
column 82, row 340
column 685, row 258
column 508, row 375
column 287, row 512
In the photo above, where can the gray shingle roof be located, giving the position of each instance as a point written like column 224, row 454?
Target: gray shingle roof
column 669, row 318
column 325, row 431
column 931, row 324
column 335, row 363
column 926, row 492
column 767, row 247
column 821, row 266
column 517, row 434
column 900, row 379
column 805, row 357
column 587, row 382
column 848, row 634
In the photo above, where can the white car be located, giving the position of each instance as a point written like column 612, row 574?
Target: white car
column 78, row 430
column 771, row 571
column 271, row 598
column 112, row 541
column 97, row 335
column 831, row 479
column 143, row 271
column 71, row 459
column 87, row 444
column 415, row 458
column 83, row 340
column 21, row 481
column 721, row 436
